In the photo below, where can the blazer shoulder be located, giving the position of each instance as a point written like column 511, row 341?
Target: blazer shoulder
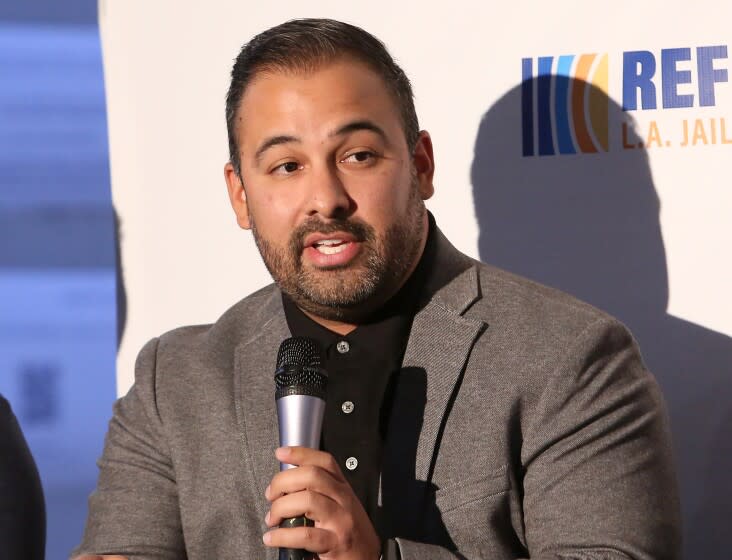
column 241, row 320
column 496, row 296
column 509, row 295
column 206, row 346
column 540, row 322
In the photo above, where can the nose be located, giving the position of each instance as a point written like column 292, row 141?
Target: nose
column 327, row 194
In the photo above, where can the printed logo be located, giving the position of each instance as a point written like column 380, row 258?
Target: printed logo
column 571, row 116
column 565, row 101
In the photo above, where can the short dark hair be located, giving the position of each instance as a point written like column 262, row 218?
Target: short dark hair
column 306, row 44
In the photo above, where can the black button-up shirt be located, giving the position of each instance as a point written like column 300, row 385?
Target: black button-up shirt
column 361, row 370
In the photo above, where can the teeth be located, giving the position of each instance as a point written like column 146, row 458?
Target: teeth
column 330, row 249
column 329, row 242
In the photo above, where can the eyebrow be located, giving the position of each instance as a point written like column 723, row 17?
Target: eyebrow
column 271, row 142
column 359, row 125
column 341, row 131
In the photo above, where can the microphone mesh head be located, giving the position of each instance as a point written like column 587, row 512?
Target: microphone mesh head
column 298, row 369
column 298, row 351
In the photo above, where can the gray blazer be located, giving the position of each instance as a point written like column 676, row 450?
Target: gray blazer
column 524, row 425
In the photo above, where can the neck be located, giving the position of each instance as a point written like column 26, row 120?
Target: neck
column 339, row 327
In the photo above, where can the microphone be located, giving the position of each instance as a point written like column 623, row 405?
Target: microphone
column 300, row 388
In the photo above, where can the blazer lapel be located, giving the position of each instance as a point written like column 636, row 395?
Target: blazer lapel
column 255, row 406
column 439, row 344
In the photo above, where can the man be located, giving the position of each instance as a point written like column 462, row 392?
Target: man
column 470, row 414
column 22, row 509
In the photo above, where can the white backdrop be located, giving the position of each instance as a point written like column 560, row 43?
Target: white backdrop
column 185, row 261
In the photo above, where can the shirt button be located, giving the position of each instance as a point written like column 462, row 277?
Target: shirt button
column 351, row 463
column 347, row 407
column 343, row 347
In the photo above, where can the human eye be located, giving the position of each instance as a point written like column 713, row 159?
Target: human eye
column 360, row 157
column 286, row 168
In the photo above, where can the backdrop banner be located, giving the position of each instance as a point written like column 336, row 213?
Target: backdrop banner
column 585, row 146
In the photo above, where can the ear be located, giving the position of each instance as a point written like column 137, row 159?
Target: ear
column 237, row 196
column 424, row 164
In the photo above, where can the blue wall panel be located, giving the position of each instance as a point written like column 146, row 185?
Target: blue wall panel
column 57, row 255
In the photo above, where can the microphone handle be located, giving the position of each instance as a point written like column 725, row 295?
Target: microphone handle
column 296, row 553
column 300, row 422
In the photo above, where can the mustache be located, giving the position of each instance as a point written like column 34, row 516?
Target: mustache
column 361, row 231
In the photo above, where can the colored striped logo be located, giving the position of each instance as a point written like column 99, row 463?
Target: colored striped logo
column 565, row 105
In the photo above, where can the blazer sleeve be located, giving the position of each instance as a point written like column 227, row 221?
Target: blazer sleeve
column 134, row 509
column 22, row 510
column 598, row 477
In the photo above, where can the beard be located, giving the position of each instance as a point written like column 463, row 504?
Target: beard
column 353, row 291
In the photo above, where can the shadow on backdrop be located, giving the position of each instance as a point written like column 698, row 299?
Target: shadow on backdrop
column 119, row 276
column 589, row 224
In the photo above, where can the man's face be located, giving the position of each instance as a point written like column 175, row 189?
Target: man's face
column 330, row 189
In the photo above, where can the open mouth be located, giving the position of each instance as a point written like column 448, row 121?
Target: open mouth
column 337, row 248
column 330, row 246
